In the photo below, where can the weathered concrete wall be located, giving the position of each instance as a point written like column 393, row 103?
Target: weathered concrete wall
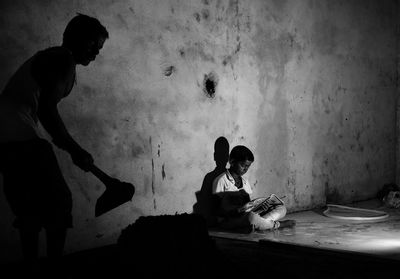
column 309, row 86
column 398, row 101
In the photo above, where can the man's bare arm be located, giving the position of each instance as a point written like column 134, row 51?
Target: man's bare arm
column 54, row 125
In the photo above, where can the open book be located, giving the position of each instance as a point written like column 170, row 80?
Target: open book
column 261, row 205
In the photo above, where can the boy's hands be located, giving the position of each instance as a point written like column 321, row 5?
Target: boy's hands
column 245, row 196
column 232, row 201
column 82, row 158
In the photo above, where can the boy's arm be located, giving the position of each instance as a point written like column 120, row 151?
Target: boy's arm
column 231, row 201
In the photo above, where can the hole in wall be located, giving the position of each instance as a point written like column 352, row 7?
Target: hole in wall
column 205, row 13
column 182, row 52
column 197, row 17
column 168, row 71
column 210, row 84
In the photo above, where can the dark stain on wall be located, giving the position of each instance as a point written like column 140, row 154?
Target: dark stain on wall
column 182, row 52
column 205, row 14
column 136, row 150
column 233, row 7
column 232, row 57
column 153, row 175
column 152, row 168
column 122, row 21
column 88, row 92
column 195, row 50
column 152, row 183
column 163, row 171
column 210, row 83
column 168, row 71
column 333, row 195
column 197, row 17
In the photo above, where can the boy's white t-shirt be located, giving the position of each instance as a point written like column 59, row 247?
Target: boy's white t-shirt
column 225, row 183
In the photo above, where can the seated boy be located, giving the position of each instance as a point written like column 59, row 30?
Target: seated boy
column 234, row 192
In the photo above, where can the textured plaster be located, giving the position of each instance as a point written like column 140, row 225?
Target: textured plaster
column 309, row 86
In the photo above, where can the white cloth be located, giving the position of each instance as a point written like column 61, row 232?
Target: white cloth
column 225, row 183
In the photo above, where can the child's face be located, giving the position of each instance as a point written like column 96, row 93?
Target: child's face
column 240, row 167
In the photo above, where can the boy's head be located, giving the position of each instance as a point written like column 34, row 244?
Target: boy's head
column 84, row 36
column 240, row 159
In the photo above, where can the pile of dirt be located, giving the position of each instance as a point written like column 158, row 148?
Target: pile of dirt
column 177, row 245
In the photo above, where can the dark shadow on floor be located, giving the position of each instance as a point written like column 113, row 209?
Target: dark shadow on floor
column 165, row 246
column 180, row 246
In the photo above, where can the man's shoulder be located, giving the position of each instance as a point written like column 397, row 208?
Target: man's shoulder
column 56, row 52
column 55, row 58
column 55, row 63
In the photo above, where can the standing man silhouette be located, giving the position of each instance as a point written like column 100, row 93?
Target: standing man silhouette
column 33, row 183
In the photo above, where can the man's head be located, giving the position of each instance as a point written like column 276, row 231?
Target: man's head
column 221, row 152
column 84, row 36
column 240, row 159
